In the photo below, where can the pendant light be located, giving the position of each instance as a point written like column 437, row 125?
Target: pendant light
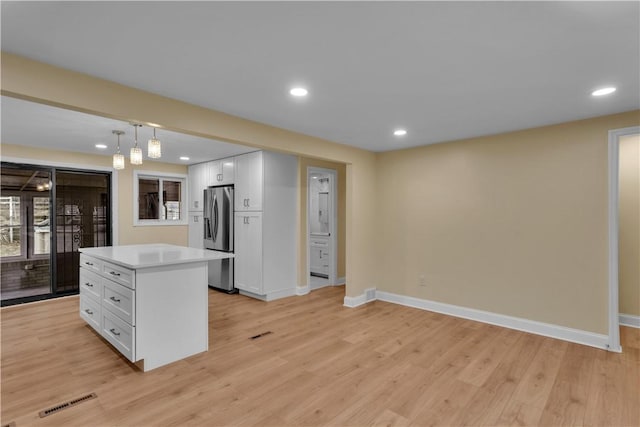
column 118, row 158
column 154, row 150
column 136, row 152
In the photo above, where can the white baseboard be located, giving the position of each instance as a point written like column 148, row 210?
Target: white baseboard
column 341, row 281
column 629, row 320
column 368, row 296
column 525, row 325
column 303, row 290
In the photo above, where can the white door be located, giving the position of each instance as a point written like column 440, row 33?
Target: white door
column 248, row 182
column 248, row 251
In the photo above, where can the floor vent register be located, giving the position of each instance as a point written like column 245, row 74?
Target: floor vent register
column 65, row 405
column 255, row 337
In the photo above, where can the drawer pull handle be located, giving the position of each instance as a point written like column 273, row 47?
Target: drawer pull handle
column 114, row 299
column 113, row 331
column 113, row 273
column 89, row 284
column 90, row 264
column 89, row 311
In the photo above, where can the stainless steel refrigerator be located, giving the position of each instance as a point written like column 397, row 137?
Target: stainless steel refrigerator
column 218, row 234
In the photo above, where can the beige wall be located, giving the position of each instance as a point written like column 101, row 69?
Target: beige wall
column 127, row 233
column 341, row 169
column 31, row 80
column 514, row 224
column 629, row 217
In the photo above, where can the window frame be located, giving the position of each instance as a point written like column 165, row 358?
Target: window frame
column 23, row 229
column 161, row 177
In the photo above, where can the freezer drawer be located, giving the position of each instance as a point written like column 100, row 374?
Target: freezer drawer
column 221, row 274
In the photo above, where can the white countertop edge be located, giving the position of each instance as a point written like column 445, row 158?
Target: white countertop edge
column 153, row 255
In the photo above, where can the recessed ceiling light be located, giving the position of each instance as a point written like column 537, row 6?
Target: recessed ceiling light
column 299, row 91
column 603, row 91
column 101, row 146
column 399, row 132
column 184, row 158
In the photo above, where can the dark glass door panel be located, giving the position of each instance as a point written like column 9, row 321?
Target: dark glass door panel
column 82, row 221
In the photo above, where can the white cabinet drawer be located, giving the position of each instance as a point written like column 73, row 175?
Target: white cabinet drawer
column 119, row 333
column 91, row 263
column 122, row 275
column 90, row 285
column 90, row 311
column 119, row 300
column 319, row 243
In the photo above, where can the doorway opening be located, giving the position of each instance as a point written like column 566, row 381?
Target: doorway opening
column 629, row 230
column 321, row 227
column 617, row 253
column 46, row 215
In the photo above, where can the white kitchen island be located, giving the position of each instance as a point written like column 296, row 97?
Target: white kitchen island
column 149, row 301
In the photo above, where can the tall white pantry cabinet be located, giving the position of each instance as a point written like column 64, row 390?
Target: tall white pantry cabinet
column 265, row 202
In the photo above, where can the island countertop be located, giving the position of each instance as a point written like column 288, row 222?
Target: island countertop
column 153, row 255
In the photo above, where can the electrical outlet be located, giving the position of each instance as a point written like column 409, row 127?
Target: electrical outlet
column 422, row 280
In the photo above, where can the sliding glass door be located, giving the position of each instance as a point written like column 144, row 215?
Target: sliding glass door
column 46, row 215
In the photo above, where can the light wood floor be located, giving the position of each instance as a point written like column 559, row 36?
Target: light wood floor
column 323, row 364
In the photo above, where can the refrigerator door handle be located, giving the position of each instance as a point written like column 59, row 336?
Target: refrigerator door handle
column 215, row 217
column 228, row 221
column 207, row 200
column 206, row 215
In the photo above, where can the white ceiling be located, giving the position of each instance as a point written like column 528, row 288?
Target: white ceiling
column 442, row 70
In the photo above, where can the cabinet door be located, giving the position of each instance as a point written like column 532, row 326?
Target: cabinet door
column 215, row 172
column 227, row 171
column 248, row 252
column 315, row 260
column 210, row 173
column 248, row 182
column 196, row 230
column 196, row 186
column 324, row 261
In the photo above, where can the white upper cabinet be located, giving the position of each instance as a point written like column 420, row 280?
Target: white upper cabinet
column 249, row 181
column 223, row 171
column 209, row 174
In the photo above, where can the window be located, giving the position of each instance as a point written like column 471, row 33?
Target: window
column 10, row 226
column 159, row 199
column 24, row 227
